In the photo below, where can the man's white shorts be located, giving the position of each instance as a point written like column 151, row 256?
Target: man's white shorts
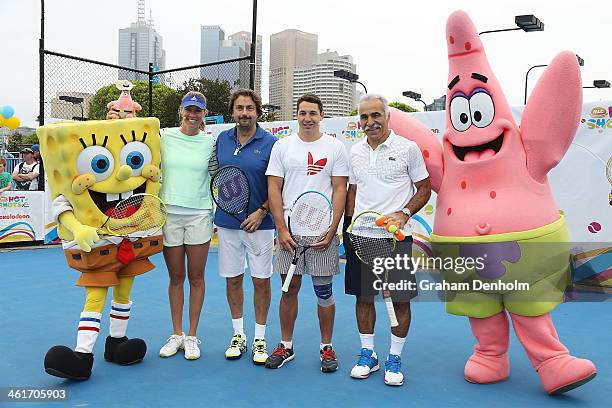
column 187, row 229
column 233, row 253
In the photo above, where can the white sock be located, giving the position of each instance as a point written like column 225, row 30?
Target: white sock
column 89, row 327
column 397, row 344
column 367, row 341
column 287, row 344
column 119, row 317
column 322, row 346
column 260, row 331
column 238, row 325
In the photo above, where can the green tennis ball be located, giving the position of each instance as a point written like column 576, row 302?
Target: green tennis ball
column 392, row 228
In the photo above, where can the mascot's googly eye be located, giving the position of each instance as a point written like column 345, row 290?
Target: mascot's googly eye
column 460, row 113
column 482, row 108
column 96, row 160
column 136, row 155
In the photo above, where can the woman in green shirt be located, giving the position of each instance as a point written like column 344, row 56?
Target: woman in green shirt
column 186, row 152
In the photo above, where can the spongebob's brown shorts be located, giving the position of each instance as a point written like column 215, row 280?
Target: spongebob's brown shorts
column 100, row 267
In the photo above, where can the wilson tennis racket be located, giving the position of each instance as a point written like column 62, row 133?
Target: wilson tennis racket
column 231, row 192
column 372, row 241
column 138, row 216
column 309, row 220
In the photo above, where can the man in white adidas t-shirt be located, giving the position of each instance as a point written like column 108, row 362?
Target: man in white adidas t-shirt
column 385, row 171
column 303, row 161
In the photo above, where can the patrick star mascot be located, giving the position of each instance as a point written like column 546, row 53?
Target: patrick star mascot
column 125, row 106
column 494, row 199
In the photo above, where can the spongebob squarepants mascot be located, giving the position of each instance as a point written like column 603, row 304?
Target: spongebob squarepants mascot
column 91, row 166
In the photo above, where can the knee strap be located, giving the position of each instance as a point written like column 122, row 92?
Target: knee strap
column 323, row 290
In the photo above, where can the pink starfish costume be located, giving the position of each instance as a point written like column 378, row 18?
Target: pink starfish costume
column 494, row 198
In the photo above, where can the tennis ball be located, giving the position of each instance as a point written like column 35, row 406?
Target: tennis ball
column 392, row 228
column 381, row 220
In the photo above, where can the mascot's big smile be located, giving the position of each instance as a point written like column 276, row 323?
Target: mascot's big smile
column 107, row 201
column 480, row 152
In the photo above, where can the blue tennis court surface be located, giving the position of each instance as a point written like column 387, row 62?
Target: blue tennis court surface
column 41, row 306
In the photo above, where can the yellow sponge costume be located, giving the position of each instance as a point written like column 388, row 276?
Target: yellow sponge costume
column 91, row 166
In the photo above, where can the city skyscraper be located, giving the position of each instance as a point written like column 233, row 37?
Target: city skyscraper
column 289, row 49
column 338, row 95
column 438, row 104
column 243, row 39
column 215, row 47
column 139, row 45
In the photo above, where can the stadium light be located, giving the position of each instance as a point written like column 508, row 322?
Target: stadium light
column 416, row 96
column 527, row 23
column 599, row 83
column 349, row 76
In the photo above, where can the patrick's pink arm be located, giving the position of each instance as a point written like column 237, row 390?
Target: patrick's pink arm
column 136, row 106
column 430, row 147
column 551, row 116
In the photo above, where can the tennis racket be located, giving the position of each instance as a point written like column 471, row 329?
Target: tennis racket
column 309, row 220
column 231, row 192
column 370, row 242
column 138, row 216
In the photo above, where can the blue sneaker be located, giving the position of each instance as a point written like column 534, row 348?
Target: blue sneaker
column 368, row 363
column 393, row 374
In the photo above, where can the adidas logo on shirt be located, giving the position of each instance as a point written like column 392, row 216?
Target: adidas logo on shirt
column 315, row 167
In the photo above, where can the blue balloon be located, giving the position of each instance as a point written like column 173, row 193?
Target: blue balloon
column 7, row 111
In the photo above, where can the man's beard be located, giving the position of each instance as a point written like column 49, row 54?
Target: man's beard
column 247, row 126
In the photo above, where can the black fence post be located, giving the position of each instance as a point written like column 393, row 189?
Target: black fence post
column 41, row 63
column 150, row 89
column 253, row 47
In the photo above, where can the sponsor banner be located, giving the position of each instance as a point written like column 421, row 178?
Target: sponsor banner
column 21, row 216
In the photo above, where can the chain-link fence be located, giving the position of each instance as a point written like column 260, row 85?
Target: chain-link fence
column 80, row 89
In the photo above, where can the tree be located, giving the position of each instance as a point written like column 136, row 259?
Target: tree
column 403, row 107
column 165, row 102
column 268, row 117
column 31, row 139
column 15, row 142
column 217, row 94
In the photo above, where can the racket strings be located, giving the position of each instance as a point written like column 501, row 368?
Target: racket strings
column 369, row 240
column 310, row 217
column 368, row 249
column 230, row 189
column 137, row 214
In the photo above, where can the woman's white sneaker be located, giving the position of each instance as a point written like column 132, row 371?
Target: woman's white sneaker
column 173, row 345
column 192, row 351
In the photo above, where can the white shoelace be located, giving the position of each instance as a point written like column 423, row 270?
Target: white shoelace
column 192, row 343
column 174, row 341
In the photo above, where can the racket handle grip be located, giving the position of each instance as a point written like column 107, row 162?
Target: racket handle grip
column 288, row 278
column 391, row 312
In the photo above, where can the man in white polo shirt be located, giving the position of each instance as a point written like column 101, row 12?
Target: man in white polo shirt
column 384, row 171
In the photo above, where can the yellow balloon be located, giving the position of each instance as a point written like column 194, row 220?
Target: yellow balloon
column 2, row 120
column 12, row 123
